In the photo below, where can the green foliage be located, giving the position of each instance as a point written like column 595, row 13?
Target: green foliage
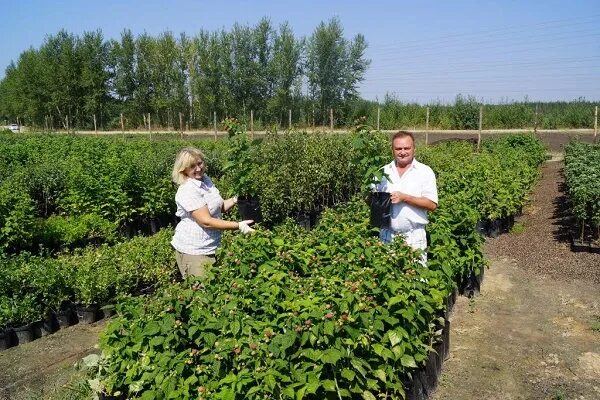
column 369, row 156
column 32, row 286
column 287, row 313
column 582, row 176
column 465, row 113
column 74, row 231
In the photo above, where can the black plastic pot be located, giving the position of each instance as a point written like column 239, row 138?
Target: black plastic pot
column 249, row 208
column 66, row 318
column 88, row 314
column 577, row 245
column 24, row 333
column 107, row 311
column 494, row 228
column 6, row 339
column 446, row 339
column 482, row 227
column 415, row 387
column 45, row 327
column 431, row 371
column 380, row 204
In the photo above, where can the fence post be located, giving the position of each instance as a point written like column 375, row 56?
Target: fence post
column 480, row 125
column 181, row 123
column 149, row 126
column 331, row 119
column 535, row 125
column 95, row 128
column 289, row 119
column 252, row 124
column 596, row 124
column 427, row 127
column 122, row 125
column 215, row 123
column 313, row 112
column 378, row 116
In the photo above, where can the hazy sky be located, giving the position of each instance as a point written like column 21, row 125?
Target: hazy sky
column 420, row 50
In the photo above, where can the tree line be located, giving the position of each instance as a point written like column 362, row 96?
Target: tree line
column 71, row 79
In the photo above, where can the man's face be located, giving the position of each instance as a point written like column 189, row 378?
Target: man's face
column 404, row 150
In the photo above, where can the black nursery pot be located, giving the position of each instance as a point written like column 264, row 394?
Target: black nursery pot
column 249, row 208
column 88, row 314
column 380, row 204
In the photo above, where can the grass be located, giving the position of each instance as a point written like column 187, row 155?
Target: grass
column 517, row 228
column 596, row 323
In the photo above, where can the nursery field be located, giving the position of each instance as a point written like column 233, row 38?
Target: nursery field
column 370, row 322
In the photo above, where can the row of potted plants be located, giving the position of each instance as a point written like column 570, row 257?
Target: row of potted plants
column 37, row 292
column 582, row 177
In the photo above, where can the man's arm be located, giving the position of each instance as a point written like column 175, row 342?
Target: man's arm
column 422, row 202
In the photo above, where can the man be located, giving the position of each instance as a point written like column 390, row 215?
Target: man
column 413, row 190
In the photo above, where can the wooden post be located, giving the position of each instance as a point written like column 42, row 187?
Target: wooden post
column 252, row 124
column 289, row 119
column 181, row 124
column 535, row 123
column 596, row 125
column 215, row 123
column 95, row 127
column 331, row 119
column 427, row 127
column 45, row 123
column 313, row 117
column 480, row 125
column 67, row 119
column 122, row 126
column 149, row 126
column 378, row 116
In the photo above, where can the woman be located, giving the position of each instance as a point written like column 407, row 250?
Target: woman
column 199, row 205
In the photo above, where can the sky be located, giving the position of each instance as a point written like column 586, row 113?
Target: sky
column 420, row 51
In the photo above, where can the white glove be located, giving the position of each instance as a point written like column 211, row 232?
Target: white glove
column 244, row 226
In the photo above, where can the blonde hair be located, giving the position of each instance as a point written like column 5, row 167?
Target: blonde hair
column 186, row 157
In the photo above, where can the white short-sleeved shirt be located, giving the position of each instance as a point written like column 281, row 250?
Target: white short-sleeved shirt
column 190, row 237
column 418, row 180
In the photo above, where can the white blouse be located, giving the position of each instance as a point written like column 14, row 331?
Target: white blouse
column 190, row 237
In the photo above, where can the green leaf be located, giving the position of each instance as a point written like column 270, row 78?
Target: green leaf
column 368, row 395
column 328, row 385
column 348, row 374
column 408, row 361
column 379, row 373
column 151, row 329
column 394, row 338
column 328, row 328
column 235, row 327
column 331, row 356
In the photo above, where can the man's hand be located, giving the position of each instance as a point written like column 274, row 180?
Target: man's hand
column 398, row 197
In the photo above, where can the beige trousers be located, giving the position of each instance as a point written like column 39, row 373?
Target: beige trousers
column 194, row 265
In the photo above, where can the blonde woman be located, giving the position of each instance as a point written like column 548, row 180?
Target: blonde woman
column 199, row 205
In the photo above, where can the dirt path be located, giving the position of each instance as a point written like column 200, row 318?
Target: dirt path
column 44, row 369
column 534, row 332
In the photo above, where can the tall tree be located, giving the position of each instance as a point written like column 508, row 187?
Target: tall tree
column 93, row 54
column 334, row 65
column 285, row 69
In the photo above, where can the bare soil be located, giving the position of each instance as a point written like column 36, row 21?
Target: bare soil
column 533, row 333
column 45, row 368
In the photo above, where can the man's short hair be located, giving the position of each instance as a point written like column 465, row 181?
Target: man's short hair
column 402, row 134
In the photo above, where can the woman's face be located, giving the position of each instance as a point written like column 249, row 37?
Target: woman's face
column 196, row 170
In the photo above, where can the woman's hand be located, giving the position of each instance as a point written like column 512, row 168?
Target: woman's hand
column 244, row 226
